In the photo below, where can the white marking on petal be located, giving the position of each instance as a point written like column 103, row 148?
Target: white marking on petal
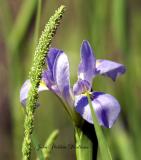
column 81, row 76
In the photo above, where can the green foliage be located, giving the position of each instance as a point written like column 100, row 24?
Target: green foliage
column 21, row 24
column 113, row 29
column 49, row 144
column 83, row 145
column 104, row 149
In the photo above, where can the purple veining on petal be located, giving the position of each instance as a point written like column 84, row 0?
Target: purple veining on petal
column 68, row 95
column 62, row 76
column 47, row 77
column 106, row 107
column 57, row 79
column 109, row 110
column 81, row 86
column 50, row 60
column 87, row 64
column 109, row 68
column 80, row 102
column 51, row 84
column 51, row 57
column 104, row 117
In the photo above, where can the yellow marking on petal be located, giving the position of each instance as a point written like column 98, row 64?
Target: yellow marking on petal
column 98, row 63
column 42, row 84
column 86, row 93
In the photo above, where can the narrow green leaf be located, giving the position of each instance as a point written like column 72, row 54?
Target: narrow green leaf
column 37, row 24
column 104, row 149
column 123, row 143
column 49, row 144
column 21, row 24
column 119, row 22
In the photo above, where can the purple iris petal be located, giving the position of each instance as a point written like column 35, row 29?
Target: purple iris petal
column 81, row 86
column 106, row 107
column 51, row 57
column 25, row 89
column 109, row 68
column 87, row 64
column 51, row 84
column 62, row 76
column 50, row 60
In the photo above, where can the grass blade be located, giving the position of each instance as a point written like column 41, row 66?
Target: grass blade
column 21, row 25
column 49, row 144
column 83, row 145
column 104, row 149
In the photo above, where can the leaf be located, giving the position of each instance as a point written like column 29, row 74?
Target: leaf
column 83, row 145
column 104, row 149
column 49, row 143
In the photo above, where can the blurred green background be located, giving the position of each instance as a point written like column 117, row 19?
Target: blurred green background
column 113, row 28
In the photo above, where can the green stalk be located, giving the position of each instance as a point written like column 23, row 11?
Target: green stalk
column 35, row 77
column 104, row 149
column 36, row 34
column 84, row 146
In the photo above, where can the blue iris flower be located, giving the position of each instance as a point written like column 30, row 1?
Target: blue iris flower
column 56, row 78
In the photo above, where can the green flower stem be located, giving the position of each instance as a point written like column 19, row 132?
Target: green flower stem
column 35, row 77
column 104, row 149
column 84, row 146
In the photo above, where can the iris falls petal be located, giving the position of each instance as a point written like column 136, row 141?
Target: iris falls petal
column 87, row 64
column 109, row 68
column 105, row 106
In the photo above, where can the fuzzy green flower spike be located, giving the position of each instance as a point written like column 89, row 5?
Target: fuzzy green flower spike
column 35, row 77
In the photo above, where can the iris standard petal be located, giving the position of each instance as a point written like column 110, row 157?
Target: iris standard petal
column 25, row 89
column 62, row 76
column 87, row 64
column 105, row 106
column 50, row 83
column 81, row 86
column 109, row 68
column 51, row 57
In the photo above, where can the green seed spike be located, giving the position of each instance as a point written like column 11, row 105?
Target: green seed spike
column 35, row 77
